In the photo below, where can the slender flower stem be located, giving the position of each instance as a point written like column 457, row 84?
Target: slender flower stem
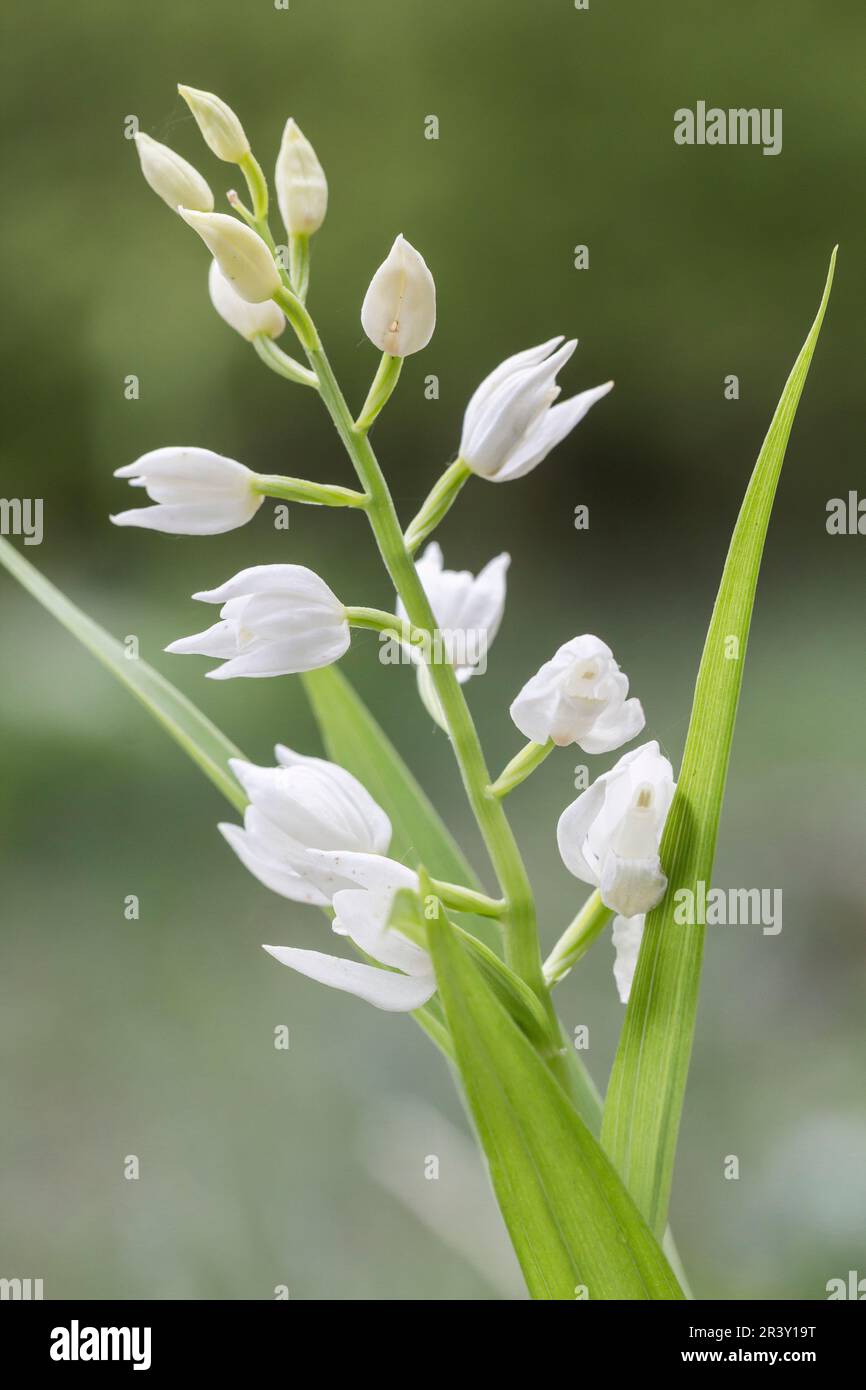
column 517, row 771
column 459, row 899
column 439, row 501
column 379, row 620
column 301, row 490
column 576, row 939
column 299, row 264
column 258, row 187
column 281, row 363
column 386, row 378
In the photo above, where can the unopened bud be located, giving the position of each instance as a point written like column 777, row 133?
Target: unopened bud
column 243, row 258
column 247, row 319
column 176, row 181
column 399, row 310
column 220, row 127
column 302, row 189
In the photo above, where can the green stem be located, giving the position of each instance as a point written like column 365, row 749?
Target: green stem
column 281, row 363
column 301, row 490
column 517, row 771
column 439, row 501
column 576, row 939
column 521, row 939
column 459, row 899
column 299, row 264
column 386, row 378
column 258, row 187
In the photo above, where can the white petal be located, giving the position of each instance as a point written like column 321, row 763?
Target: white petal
column 219, row 640
column 191, row 518
column 273, row 874
column 295, row 581
column 572, row 831
column 615, row 727
column 631, row 886
column 306, row 653
column 382, row 988
column 553, row 427
column 245, row 318
column 530, row 357
column 363, row 916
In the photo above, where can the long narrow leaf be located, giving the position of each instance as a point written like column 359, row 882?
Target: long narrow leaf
column 572, row 1222
column 196, row 735
column 645, row 1096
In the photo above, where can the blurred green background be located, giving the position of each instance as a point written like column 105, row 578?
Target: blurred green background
column 155, row 1038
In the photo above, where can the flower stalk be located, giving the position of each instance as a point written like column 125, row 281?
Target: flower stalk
column 438, row 503
column 577, row 939
column 521, row 766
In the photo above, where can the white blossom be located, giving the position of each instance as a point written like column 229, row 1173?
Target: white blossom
column 399, row 310
column 511, row 423
column 579, row 696
column 304, row 803
column 302, row 189
column 468, row 610
column 610, row 835
column 197, row 492
column 275, row 620
column 245, row 318
column 176, row 181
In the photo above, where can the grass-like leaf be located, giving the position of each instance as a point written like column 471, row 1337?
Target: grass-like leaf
column 645, row 1096
column 570, row 1218
column 196, row 734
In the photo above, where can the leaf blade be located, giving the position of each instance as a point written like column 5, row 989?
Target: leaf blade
column 569, row 1216
column 647, row 1086
column 196, row 734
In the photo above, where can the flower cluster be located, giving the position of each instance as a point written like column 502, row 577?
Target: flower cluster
column 311, row 832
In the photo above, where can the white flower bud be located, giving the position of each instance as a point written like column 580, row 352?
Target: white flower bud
column 176, row 181
column 243, row 257
column 247, row 319
column 399, row 310
column 302, row 189
column 220, row 127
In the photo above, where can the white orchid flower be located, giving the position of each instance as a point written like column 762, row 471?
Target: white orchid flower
column 399, row 309
column 468, row 610
column 170, row 176
column 197, row 492
column 627, row 936
column 610, row 835
column 302, row 189
column 511, row 423
column 579, row 696
column 406, row 982
column 247, row 319
column 304, row 803
column 276, row 620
